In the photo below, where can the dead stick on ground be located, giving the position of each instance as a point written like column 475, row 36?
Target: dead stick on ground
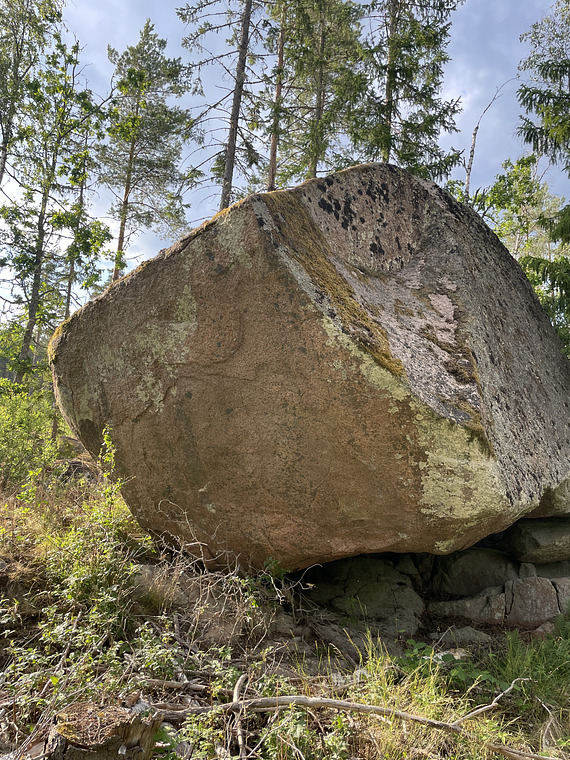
column 491, row 705
column 264, row 704
column 239, row 728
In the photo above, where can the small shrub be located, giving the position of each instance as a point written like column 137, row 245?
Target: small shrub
column 26, row 417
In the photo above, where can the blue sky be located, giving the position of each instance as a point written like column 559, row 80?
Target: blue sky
column 485, row 50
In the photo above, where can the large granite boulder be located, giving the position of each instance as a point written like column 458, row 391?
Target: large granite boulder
column 353, row 366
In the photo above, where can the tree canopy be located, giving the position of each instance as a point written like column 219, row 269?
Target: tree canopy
column 295, row 89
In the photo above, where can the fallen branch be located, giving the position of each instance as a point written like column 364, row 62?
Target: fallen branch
column 239, row 727
column 265, row 704
column 491, row 705
column 198, row 688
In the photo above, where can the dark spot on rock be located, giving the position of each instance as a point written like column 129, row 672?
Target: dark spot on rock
column 326, row 206
column 329, row 181
column 188, row 394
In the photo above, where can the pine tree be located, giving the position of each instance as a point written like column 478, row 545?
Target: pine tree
column 43, row 214
column 229, row 142
column 140, row 159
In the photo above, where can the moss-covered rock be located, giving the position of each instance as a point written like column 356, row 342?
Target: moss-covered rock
column 355, row 365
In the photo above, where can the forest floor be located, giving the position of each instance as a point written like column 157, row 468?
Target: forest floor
column 227, row 665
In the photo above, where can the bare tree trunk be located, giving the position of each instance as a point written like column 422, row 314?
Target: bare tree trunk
column 34, row 302
column 469, row 165
column 316, row 148
column 227, row 182
column 277, row 104
column 86, row 731
column 390, row 78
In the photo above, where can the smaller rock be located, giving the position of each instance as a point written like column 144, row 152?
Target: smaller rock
column 539, row 540
column 526, row 570
column 553, row 569
column 530, row 602
column 562, row 586
column 523, row 603
column 406, row 565
column 470, row 572
column 544, row 630
column 368, row 588
column 487, row 608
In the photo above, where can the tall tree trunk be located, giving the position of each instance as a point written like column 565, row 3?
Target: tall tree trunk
column 316, row 148
column 10, row 115
column 227, row 181
column 6, row 140
column 278, row 98
column 70, row 281
column 71, row 269
column 393, row 21
column 34, row 302
column 125, row 206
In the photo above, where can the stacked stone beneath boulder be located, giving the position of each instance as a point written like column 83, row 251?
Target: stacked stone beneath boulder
column 539, row 540
column 356, row 365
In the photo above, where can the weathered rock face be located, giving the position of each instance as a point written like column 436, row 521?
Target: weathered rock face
column 353, row 366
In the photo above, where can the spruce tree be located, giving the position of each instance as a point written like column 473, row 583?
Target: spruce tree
column 321, row 50
column 545, row 98
column 399, row 114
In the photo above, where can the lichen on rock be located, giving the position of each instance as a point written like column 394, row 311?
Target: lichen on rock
column 356, row 365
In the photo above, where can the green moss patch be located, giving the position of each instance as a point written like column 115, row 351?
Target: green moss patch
column 308, row 246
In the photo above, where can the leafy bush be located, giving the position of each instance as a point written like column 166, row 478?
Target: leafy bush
column 26, row 417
